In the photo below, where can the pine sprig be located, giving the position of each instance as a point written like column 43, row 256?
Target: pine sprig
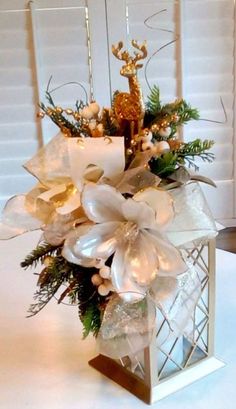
column 174, row 114
column 79, row 286
column 38, row 255
column 60, row 120
column 109, row 124
column 184, row 111
column 197, row 148
column 90, row 303
column 91, row 320
column 164, row 165
column 58, row 272
column 153, row 104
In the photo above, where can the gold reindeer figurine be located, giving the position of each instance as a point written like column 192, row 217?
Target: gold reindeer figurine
column 129, row 107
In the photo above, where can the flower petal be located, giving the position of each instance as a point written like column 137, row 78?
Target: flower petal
column 16, row 219
column 140, row 213
column 70, row 205
column 170, row 260
column 69, row 252
column 99, row 242
column 102, row 203
column 142, row 260
column 160, row 201
column 121, row 280
column 60, row 226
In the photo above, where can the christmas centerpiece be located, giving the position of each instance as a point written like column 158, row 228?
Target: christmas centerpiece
column 125, row 228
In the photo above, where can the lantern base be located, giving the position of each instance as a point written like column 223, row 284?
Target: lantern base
column 141, row 390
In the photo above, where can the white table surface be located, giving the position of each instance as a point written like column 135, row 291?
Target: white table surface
column 43, row 360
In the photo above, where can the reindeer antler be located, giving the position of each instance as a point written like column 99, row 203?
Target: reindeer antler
column 116, row 51
column 142, row 48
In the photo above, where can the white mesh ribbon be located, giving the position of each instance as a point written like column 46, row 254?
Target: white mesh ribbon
column 61, row 167
column 127, row 328
column 193, row 220
column 177, row 296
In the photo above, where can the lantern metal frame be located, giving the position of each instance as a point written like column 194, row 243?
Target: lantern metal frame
column 150, row 378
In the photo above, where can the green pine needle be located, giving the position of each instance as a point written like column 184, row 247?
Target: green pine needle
column 38, row 255
column 164, row 165
column 109, row 125
column 184, row 111
column 154, row 104
column 91, row 320
column 197, row 148
column 58, row 272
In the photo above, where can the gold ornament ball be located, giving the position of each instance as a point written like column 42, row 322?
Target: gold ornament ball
column 69, row 111
column 155, row 128
column 59, row 110
column 175, row 118
column 49, row 112
column 129, row 152
column 40, row 115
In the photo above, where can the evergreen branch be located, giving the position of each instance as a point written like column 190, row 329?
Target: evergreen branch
column 42, row 298
column 197, row 148
column 38, row 255
column 109, row 124
column 184, row 111
column 91, row 320
column 154, row 105
column 79, row 289
column 59, row 119
column 58, row 272
column 164, row 165
column 174, row 114
column 49, row 98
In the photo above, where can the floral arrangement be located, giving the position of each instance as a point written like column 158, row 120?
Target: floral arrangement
column 114, row 195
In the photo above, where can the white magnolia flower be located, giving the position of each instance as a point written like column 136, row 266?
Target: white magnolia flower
column 131, row 231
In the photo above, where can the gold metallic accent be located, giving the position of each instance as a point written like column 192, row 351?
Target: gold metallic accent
column 40, row 115
column 80, row 141
column 76, row 115
column 108, row 139
column 130, row 106
column 129, row 151
column 69, row 111
column 49, row 111
column 155, row 128
column 59, row 110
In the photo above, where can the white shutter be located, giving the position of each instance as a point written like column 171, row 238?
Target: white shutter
column 198, row 67
column 71, row 46
column 39, row 39
column 19, row 136
column 209, row 75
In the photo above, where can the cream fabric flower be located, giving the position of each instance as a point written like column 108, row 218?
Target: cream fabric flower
column 130, row 230
column 54, row 210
